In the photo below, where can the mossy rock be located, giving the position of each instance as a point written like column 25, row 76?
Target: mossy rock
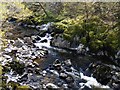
column 23, row 88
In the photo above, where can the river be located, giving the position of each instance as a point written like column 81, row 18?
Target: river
column 32, row 54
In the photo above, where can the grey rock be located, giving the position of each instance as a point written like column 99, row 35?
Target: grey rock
column 27, row 40
column 69, row 79
column 52, row 86
column 68, row 62
column 63, row 75
column 57, row 64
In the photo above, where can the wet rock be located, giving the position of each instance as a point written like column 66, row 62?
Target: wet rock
column 65, row 86
column 44, row 41
column 34, row 41
column 63, row 75
column 86, row 88
column 42, row 34
column 83, row 81
column 68, row 69
column 12, row 19
column 68, row 63
column 27, row 40
column 23, row 88
column 37, row 71
column 11, row 41
column 23, row 78
column 44, row 73
column 54, row 72
column 60, row 42
column 38, row 38
column 57, row 64
column 30, row 70
column 7, row 56
column 52, row 86
column 29, row 65
column 36, row 64
column 69, row 79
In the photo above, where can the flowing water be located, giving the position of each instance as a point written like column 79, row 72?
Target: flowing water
column 79, row 62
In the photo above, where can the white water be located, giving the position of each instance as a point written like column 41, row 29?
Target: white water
column 91, row 82
column 46, row 44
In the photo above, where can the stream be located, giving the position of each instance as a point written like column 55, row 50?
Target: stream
column 32, row 61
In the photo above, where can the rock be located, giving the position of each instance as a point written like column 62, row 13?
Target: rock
column 86, row 88
column 11, row 41
column 11, row 19
column 65, row 86
column 23, row 78
column 44, row 73
column 58, row 41
column 42, row 34
column 57, row 64
column 68, row 63
column 27, row 40
column 44, row 41
column 8, row 34
column 30, row 70
column 37, row 71
column 34, row 41
column 36, row 64
column 68, row 69
column 37, row 38
column 23, row 88
column 83, row 81
column 69, row 79
column 54, row 72
column 106, row 74
column 7, row 50
column 7, row 56
column 63, row 75
column 52, row 86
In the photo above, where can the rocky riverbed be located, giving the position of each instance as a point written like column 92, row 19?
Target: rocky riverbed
column 29, row 60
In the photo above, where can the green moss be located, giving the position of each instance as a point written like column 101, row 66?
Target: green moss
column 23, row 88
column 93, row 33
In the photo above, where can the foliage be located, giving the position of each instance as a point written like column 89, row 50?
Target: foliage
column 92, row 24
column 93, row 32
column 15, row 10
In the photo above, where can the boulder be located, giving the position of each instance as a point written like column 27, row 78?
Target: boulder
column 58, row 41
